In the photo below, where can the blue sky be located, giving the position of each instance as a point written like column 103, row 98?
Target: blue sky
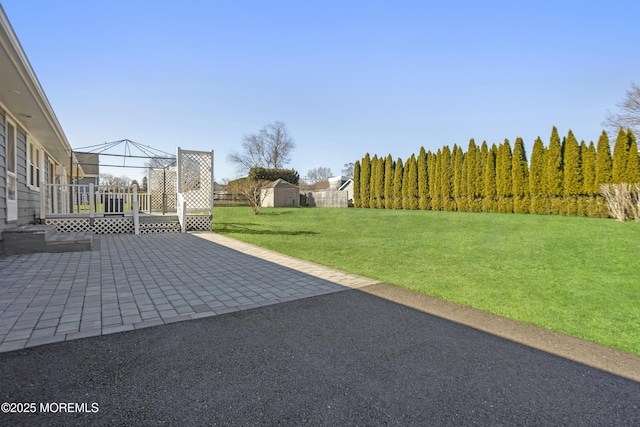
column 346, row 77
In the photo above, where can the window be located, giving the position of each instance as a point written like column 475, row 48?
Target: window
column 34, row 164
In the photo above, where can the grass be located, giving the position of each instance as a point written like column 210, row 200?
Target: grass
column 578, row 276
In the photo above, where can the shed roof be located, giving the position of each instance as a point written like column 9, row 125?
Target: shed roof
column 280, row 183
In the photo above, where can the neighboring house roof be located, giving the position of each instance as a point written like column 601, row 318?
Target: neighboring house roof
column 90, row 163
column 346, row 184
column 322, row 185
column 340, row 178
column 280, row 183
column 22, row 95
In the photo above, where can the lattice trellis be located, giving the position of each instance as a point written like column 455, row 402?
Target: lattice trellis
column 196, row 179
column 162, row 181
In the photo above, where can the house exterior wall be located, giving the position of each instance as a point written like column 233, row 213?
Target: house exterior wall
column 88, row 180
column 3, row 175
column 28, row 200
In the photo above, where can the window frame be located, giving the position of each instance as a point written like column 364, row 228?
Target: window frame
column 35, row 156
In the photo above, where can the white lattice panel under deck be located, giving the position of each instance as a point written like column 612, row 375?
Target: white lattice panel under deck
column 198, row 223
column 70, row 225
column 116, row 225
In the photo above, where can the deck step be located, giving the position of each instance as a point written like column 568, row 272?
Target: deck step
column 154, row 224
column 158, row 219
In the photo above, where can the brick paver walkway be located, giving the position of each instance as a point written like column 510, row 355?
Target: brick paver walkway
column 128, row 282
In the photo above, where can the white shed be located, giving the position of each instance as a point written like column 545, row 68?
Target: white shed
column 280, row 194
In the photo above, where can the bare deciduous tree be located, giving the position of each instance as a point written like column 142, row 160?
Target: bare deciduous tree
column 348, row 169
column 623, row 200
column 110, row 180
column 318, row 175
column 269, row 148
column 629, row 114
column 251, row 189
column 160, row 162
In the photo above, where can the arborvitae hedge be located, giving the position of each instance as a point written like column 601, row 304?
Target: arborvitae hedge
column 620, row 158
column 537, row 192
column 397, row 184
column 365, row 181
column 563, row 178
column 604, row 162
column 446, row 184
column 572, row 175
column 459, row 184
column 356, row 184
column 423, row 180
column 553, row 172
column 504, row 181
column 489, row 189
column 388, row 182
column 633, row 159
column 520, row 178
column 378, row 184
column 405, row 184
column 412, row 191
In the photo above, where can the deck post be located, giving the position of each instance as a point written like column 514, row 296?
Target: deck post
column 92, row 201
column 54, row 188
column 43, row 201
column 136, row 213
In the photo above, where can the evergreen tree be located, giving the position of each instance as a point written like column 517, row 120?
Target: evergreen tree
column 379, row 184
column 589, row 187
column 436, row 200
column 467, row 170
column 412, row 191
column 586, row 204
column 620, row 157
column 572, row 174
column 604, row 162
column 446, row 183
column 553, row 172
column 432, row 171
column 520, row 177
column 388, row 182
column 504, row 182
column 459, row 184
column 633, row 160
column 365, row 181
column 423, row 180
column 489, row 203
column 604, row 175
column 537, row 190
column 484, row 152
column 356, row 184
column 373, row 191
column 398, row 173
column 406, row 185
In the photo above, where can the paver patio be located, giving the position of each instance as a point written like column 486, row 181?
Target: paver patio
column 129, row 282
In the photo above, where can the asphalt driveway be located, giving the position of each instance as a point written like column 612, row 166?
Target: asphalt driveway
column 343, row 358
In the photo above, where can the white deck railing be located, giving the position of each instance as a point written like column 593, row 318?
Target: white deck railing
column 83, row 199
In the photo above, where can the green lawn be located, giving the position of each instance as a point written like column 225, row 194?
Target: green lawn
column 579, row 276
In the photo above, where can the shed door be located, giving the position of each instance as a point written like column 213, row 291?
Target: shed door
column 12, row 181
